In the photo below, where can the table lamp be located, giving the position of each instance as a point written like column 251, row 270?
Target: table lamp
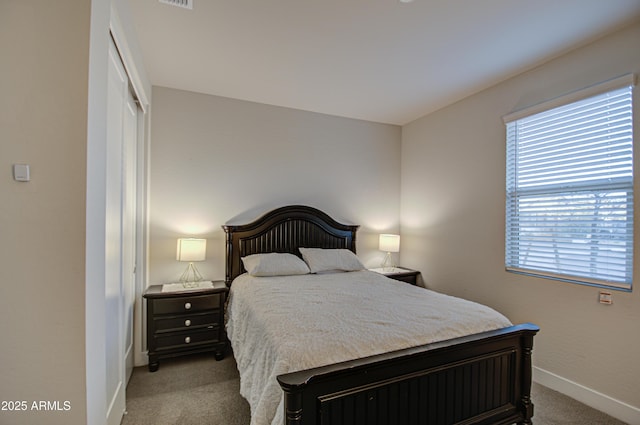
column 191, row 249
column 389, row 243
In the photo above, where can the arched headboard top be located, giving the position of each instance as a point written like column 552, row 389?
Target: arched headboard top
column 284, row 230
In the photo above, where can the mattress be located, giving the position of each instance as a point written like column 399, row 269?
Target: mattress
column 283, row 324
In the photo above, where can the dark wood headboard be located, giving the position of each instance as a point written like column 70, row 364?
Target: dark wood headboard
column 284, row 230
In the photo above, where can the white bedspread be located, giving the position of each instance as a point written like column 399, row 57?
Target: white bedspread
column 283, row 324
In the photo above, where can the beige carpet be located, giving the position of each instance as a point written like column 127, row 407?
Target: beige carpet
column 197, row 390
column 193, row 390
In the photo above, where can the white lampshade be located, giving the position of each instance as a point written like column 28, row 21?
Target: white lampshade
column 389, row 243
column 191, row 249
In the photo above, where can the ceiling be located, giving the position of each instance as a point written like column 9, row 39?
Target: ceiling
column 376, row 60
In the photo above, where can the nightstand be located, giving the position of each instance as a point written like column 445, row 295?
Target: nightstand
column 399, row 273
column 183, row 321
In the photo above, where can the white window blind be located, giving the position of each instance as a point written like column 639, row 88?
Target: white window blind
column 569, row 191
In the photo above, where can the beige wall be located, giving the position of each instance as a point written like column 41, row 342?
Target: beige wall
column 452, row 221
column 44, row 47
column 216, row 160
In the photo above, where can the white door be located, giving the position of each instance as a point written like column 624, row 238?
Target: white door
column 120, row 235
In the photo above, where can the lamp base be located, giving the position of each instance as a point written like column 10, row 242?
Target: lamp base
column 190, row 277
column 387, row 264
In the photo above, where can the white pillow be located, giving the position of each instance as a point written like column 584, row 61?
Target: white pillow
column 322, row 260
column 274, row 264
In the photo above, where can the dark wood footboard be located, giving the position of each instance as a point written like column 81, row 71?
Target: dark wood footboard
column 478, row 379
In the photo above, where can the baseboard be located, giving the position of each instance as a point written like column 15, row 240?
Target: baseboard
column 141, row 358
column 612, row 407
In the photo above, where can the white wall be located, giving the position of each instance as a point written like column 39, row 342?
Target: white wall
column 44, row 47
column 452, row 221
column 216, row 160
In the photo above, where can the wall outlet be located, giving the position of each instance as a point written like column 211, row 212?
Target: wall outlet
column 605, row 298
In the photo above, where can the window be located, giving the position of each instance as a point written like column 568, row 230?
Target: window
column 569, row 188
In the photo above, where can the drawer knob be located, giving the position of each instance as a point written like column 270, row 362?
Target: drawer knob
column 187, row 339
column 187, row 306
column 187, row 322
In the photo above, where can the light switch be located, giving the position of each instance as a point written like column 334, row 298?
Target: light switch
column 21, row 172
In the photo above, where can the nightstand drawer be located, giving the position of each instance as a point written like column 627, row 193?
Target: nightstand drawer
column 186, row 322
column 186, row 304
column 186, row 339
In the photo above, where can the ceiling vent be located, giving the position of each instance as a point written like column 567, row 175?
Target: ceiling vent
column 185, row 4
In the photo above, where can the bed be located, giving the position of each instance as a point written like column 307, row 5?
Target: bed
column 481, row 375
